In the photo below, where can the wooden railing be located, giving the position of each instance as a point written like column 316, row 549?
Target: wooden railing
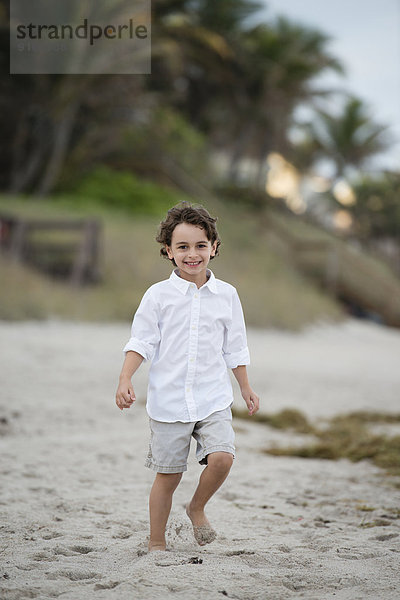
column 63, row 248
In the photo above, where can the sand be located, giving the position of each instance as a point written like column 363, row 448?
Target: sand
column 73, row 496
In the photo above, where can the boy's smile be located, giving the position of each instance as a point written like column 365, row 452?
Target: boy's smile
column 192, row 251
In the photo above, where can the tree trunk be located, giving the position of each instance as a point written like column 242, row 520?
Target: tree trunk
column 239, row 149
column 27, row 164
column 61, row 137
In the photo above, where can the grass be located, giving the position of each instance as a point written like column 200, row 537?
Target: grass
column 273, row 293
column 357, row 276
column 346, row 436
column 281, row 265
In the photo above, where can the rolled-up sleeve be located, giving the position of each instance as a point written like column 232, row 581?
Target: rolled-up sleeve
column 235, row 350
column 145, row 332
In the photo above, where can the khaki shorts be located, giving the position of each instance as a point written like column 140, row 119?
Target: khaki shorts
column 170, row 442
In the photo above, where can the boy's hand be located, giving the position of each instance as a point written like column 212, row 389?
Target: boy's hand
column 125, row 395
column 251, row 399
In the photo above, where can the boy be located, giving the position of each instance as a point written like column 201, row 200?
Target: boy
column 191, row 327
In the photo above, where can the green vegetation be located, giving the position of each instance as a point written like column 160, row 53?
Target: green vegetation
column 289, row 272
column 377, row 210
column 267, row 282
column 346, row 436
column 124, row 191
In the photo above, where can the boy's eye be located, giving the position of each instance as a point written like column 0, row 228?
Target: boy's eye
column 202, row 245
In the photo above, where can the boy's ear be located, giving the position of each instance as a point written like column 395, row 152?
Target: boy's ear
column 213, row 248
column 169, row 252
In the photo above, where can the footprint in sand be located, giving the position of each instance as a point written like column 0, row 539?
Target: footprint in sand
column 74, row 575
column 385, row 537
column 51, row 535
column 73, row 550
column 82, row 549
column 122, row 535
column 42, row 490
column 355, row 554
column 238, row 552
column 250, row 558
column 59, row 551
column 106, row 586
column 43, row 556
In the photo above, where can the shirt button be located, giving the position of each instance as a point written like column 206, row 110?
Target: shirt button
column 196, row 295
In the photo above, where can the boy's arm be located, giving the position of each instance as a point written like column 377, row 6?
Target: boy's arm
column 250, row 397
column 125, row 395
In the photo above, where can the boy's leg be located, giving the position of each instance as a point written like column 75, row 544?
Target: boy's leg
column 211, row 479
column 168, row 451
column 160, row 503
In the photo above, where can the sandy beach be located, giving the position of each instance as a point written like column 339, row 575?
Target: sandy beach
column 73, row 496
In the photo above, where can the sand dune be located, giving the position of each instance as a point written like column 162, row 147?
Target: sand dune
column 73, row 497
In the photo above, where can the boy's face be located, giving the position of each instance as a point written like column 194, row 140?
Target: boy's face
column 191, row 250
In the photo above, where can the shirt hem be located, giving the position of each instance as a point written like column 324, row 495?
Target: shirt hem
column 188, row 420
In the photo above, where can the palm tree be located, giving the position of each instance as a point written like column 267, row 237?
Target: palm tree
column 350, row 138
column 279, row 64
column 194, row 54
column 227, row 17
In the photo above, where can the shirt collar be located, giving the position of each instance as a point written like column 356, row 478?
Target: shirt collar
column 183, row 285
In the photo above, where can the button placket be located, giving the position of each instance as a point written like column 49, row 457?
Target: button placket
column 193, row 344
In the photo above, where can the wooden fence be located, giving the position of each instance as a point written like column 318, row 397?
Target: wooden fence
column 63, row 248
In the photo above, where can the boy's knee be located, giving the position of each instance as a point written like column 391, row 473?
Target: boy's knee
column 170, row 480
column 220, row 461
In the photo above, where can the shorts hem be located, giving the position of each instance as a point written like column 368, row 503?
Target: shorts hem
column 159, row 469
column 221, row 448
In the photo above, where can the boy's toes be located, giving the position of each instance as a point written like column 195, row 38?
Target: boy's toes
column 202, row 530
column 204, row 534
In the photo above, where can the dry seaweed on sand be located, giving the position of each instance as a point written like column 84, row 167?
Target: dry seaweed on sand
column 289, row 418
column 345, row 436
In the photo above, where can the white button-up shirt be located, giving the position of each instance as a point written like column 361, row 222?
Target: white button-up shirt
column 191, row 336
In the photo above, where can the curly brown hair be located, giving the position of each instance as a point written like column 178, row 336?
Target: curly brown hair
column 184, row 212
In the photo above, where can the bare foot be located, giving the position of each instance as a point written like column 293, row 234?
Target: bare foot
column 202, row 530
column 157, row 547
